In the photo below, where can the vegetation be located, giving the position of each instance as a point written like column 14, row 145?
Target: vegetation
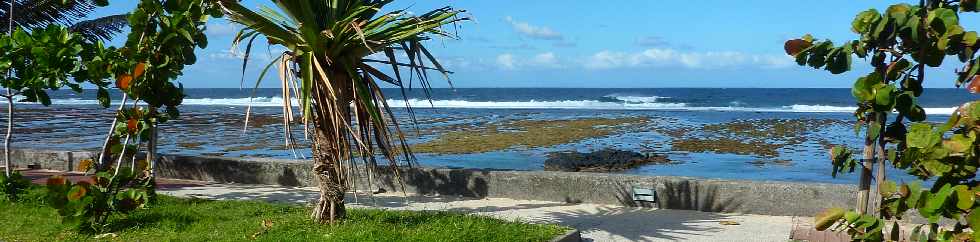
column 39, row 14
column 178, row 219
column 30, row 70
column 902, row 42
column 161, row 43
column 12, row 186
column 523, row 133
column 37, row 55
column 760, row 137
column 326, row 66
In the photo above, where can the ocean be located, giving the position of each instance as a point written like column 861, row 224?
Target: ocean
column 732, row 133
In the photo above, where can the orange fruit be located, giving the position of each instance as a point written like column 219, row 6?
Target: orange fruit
column 131, row 125
column 140, row 68
column 123, row 81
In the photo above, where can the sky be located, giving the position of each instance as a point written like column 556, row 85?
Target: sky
column 601, row 44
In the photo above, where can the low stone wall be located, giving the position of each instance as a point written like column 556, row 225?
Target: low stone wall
column 712, row 195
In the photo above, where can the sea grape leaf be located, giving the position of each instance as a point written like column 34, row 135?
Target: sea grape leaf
column 921, row 136
column 964, row 197
column 864, row 20
column 828, row 217
column 896, row 68
column 887, row 188
column 884, row 97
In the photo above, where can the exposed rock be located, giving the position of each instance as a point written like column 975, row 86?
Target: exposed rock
column 605, row 160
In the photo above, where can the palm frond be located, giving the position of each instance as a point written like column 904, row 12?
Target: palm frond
column 34, row 14
column 336, row 84
column 101, row 28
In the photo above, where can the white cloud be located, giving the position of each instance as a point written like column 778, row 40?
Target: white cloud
column 662, row 57
column 506, row 61
column 532, row 31
column 547, row 59
column 229, row 55
column 222, row 28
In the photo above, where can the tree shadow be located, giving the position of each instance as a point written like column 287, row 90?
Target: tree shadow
column 700, row 196
column 446, row 182
column 150, row 218
column 680, row 194
column 637, row 224
column 268, row 193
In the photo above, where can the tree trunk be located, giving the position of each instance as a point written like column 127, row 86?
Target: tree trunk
column 330, row 206
column 881, row 156
column 864, row 187
column 7, row 169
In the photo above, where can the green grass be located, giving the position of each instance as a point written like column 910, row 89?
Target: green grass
column 181, row 219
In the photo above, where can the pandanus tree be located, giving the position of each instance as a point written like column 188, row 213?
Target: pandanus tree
column 326, row 66
column 902, row 42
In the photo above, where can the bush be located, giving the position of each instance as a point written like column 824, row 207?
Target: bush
column 13, row 186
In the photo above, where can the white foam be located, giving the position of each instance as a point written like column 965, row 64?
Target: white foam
column 635, row 99
column 532, row 104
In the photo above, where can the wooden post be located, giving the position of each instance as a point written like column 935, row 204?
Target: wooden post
column 880, row 150
column 864, row 187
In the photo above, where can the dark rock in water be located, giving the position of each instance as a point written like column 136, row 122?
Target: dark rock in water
column 605, row 160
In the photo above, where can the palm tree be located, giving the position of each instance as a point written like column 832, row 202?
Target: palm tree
column 326, row 66
column 32, row 14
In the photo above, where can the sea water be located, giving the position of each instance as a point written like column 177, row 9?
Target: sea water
column 212, row 123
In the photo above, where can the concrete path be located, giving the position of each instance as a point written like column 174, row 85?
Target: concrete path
column 597, row 222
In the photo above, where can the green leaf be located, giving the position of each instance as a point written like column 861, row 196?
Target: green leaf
column 864, row 20
column 884, row 97
column 887, row 188
column 828, row 218
column 921, row 136
column 973, row 219
column 936, row 167
column 874, row 129
column 896, row 68
column 103, row 97
column 935, row 201
column 958, row 143
column 863, row 87
column 964, row 197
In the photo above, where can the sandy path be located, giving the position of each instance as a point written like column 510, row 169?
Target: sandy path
column 597, row 222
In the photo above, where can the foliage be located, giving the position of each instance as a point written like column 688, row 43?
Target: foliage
column 38, row 14
column 162, row 42
column 11, row 187
column 91, row 203
column 327, row 67
column 901, row 42
column 188, row 219
column 41, row 60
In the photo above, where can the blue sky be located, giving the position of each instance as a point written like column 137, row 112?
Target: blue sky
column 613, row 43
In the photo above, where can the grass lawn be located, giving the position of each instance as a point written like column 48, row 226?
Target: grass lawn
column 181, row 219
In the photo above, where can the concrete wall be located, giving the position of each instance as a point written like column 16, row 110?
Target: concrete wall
column 714, row 195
